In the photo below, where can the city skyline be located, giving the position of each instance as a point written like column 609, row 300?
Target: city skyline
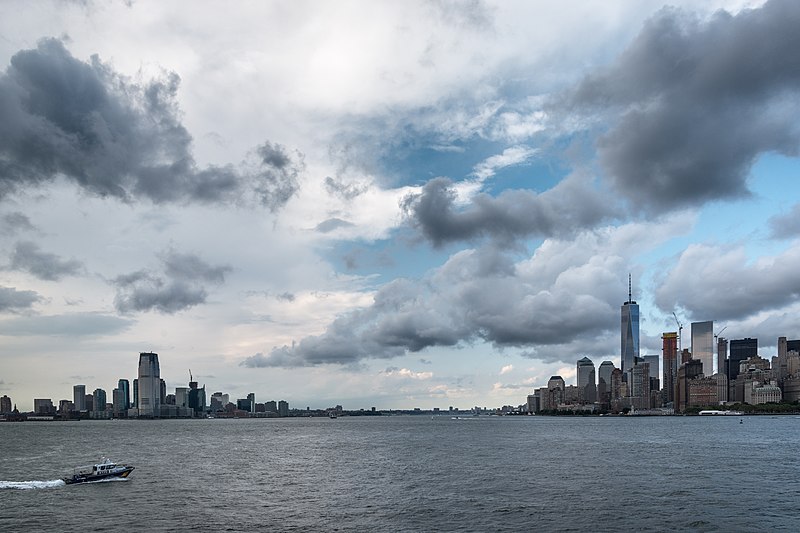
column 441, row 207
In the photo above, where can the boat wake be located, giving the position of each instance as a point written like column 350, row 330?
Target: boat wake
column 30, row 485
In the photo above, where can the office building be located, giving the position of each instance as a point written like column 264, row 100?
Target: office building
column 587, row 389
column 197, row 398
column 79, row 397
column 135, row 389
column 722, row 354
column 182, row 396
column 283, row 408
column 252, row 399
column 99, row 400
column 740, row 350
column 88, row 401
column 669, row 356
column 149, row 385
column 688, row 371
column 119, row 402
column 43, row 406
column 604, row 382
column 639, row 385
column 5, row 404
column 629, row 332
column 125, row 386
column 703, row 345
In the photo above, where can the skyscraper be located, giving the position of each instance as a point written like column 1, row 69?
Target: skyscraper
column 99, row 400
column 604, row 381
column 587, row 390
column 722, row 354
column 703, row 345
column 741, row 350
column 629, row 338
column 79, row 397
column 669, row 357
column 125, row 387
column 149, row 382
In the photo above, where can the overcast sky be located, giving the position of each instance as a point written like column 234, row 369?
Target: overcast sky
column 390, row 204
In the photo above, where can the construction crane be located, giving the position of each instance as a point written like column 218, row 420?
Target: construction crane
column 680, row 332
column 716, row 335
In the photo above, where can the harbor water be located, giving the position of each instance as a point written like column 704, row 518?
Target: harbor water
column 407, row 473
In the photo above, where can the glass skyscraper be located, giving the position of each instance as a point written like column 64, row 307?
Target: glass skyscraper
column 703, row 345
column 629, row 338
column 149, row 385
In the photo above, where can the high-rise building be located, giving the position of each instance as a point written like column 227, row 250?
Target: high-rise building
column 149, row 385
column 182, row 396
column 688, row 371
column 283, row 408
column 119, row 401
column 43, row 406
column 629, row 332
column 740, row 350
column 5, row 404
column 703, row 345
column 135, row 389
column 669, row 356
column 604, row 382
column 125, row 387
column 99, row 400
column 722, row 354
column 197, row 398
column 587, row 390
column 639, row 385
column 88, row 401
column 79, row 397
column 252, row 399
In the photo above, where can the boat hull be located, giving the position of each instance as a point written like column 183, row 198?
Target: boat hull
column 86, row 478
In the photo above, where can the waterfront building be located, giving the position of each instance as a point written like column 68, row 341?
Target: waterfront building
column 149, row 385
column 43, row 406
column 533, row 402
column 703, row 345
column 756, row 393
column 79, row 397
column 271, row 407
column 669, row 355
column 587, row 390
column 125, row 386
column 629, row 332
column 119, row 401
column 283, row 408
column 182, row 396
column 243, row 404
column 722, row 355
column 702, row 392
column 135, row 389
column 5, row 404
column 252, row 399
column 655, row 375
column 604, row 382
column 197, row 398
column 570, row 395
column 639, row 385
column 688, row 371
column 99, row 400
column 65, row 407
column 88, row 401
column 740, row 350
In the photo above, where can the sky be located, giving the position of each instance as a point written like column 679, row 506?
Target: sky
column 389, row 204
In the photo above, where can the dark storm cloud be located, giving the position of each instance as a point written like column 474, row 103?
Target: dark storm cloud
column 16, row 222
column 566, row 208
column 714, row 283
column 478, row 295
column 116, row 137
column 27, row 257
column 179, row 287
column 12, row 300
column 693, row 104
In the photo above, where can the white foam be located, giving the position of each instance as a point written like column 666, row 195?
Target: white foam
column 29, row 485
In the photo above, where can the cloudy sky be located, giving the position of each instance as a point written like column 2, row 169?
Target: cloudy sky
column 390, row 204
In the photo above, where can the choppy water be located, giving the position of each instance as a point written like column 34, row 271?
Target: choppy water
column 407, row 474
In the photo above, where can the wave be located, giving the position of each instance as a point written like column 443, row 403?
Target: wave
column 29, row 485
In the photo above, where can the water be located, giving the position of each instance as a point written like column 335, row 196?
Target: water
column 407, row 474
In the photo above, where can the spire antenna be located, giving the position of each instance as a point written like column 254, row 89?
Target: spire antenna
column 630, row 292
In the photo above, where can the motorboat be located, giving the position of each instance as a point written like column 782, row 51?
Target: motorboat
column 100, row 471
